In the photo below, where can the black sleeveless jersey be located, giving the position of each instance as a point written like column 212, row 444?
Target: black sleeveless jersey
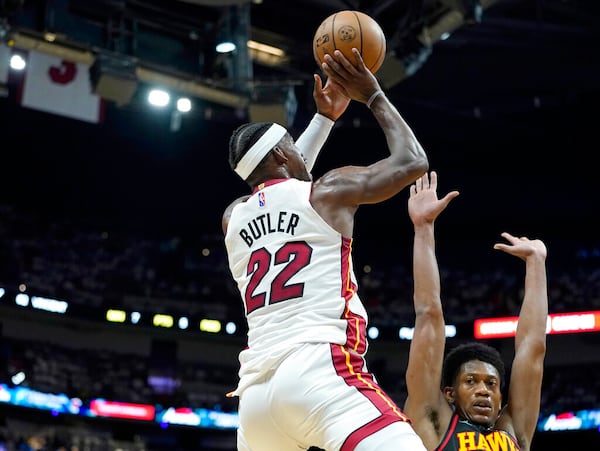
column 464, row 436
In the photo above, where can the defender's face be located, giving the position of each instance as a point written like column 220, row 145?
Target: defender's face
column 476, row 394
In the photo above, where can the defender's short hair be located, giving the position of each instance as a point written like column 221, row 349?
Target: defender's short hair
column 466, row 352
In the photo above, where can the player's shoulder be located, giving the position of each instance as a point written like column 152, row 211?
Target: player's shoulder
column 336, row 181
column 239, row 200
column 233, row 204
column 229, row 210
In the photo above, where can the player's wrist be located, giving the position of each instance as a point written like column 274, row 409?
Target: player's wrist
column 323, row 119
column 376, row 94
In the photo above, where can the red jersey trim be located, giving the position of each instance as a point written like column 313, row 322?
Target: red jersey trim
column 356, row 332
column 449, row 432
column 263, row 185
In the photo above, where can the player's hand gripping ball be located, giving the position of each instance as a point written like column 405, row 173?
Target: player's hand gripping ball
column 347, row 29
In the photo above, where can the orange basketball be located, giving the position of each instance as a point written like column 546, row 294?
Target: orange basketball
column 346, row 29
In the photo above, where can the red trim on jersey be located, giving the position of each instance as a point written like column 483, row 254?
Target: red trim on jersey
column 449, row 432
column 356, row 331
column 263, row 185
column 348, row 287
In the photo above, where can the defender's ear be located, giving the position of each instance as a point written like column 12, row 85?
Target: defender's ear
column 449, row 394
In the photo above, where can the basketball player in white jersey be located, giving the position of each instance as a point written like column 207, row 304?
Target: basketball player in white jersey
column 303, row 377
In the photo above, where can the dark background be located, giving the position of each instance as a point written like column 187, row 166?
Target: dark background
column 505, row 108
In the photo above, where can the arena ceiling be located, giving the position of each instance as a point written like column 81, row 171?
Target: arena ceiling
column 501, row 53
column 504, row 105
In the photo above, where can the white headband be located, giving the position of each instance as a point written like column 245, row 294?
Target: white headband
column 259, row 150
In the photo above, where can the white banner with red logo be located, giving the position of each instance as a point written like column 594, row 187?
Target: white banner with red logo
column 57, row 86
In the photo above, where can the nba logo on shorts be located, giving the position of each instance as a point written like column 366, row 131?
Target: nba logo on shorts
column 261, row 199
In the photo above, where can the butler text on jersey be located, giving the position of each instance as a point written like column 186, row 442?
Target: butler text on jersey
column 265, row 224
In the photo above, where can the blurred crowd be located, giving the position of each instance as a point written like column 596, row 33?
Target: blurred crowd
column 96, row 267
column 114, row 375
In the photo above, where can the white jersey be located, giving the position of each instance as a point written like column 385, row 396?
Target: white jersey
column 295, row 276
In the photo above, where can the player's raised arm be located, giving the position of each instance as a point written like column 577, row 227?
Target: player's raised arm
column 524, row 395
column 407, row 159
column 425, row 404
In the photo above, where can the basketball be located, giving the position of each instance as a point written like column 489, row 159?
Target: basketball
column 346, row 29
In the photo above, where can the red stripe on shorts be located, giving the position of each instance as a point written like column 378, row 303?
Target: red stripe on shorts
column 349, row 365
column 368, row 429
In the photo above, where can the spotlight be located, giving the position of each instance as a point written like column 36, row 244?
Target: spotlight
column 225, row 47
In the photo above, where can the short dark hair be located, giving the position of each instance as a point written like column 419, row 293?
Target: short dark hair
column 466, row 352
column 243, row 138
